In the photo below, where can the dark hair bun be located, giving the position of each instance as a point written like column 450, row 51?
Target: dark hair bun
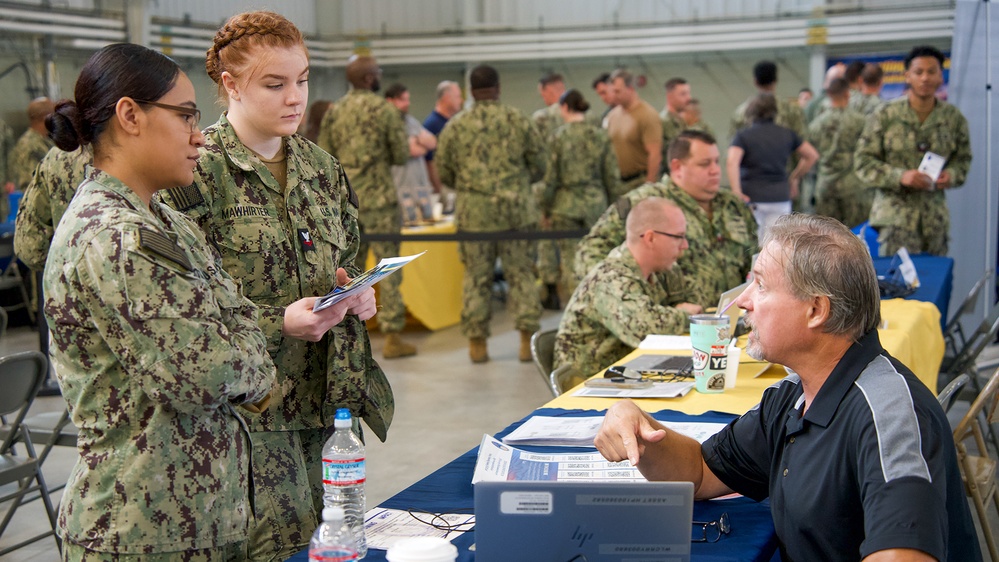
column 63, row 125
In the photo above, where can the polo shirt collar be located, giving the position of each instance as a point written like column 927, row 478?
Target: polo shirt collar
column 834, row 390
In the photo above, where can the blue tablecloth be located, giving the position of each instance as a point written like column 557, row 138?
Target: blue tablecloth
column 936, row 280
column 449, row 489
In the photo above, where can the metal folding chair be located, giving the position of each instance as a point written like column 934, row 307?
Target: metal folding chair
column 543, row 352
column 21, row 375
column 949, row 394
column 10, row 277
column 953, row 332
column 979, row 471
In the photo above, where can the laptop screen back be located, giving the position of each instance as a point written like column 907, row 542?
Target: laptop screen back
column 603, row 521
column 733, row 311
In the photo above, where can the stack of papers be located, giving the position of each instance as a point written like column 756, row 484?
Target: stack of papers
column 580, row 432
column 657, row 390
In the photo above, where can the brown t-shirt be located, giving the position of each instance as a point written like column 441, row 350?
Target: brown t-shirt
column 630, row 131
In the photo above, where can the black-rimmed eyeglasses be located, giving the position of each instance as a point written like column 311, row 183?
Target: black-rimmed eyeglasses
column 192, row 115
column 675, row 236
column 711, row 531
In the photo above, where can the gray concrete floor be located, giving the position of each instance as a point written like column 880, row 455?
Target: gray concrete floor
column 444, row 404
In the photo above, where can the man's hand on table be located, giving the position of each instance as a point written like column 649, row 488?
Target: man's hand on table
column 625, row 431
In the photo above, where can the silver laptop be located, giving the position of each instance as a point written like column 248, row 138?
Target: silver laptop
column 603, row 521
column 733, row 311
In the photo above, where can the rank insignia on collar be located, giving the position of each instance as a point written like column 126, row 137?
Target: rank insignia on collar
column 306, row 239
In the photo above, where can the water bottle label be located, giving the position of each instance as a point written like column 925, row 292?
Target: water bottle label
column 346, row 472
column 333, row 555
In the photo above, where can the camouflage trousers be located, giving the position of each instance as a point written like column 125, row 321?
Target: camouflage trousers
column 232, row 552
column 567, row 249
column 849, row 208
column 287, row 491
column 479, row 259
column 926, row 241
column 391, row 309
column 548, row 254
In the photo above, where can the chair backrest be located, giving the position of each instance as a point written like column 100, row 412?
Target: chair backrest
column 21, row 376
column 985, row 403
column 977, row 342
column 948, row 395
column 968, row 305
column 564, row 378
column 543, row 351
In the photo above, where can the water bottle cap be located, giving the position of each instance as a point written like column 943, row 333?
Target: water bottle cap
column 342, row 418
column 333, row 513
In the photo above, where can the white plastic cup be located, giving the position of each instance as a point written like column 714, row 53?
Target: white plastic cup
column 732, row 368
column 422, row 549
column 438, row 209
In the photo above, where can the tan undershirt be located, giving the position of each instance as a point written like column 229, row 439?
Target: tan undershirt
column 278, row 166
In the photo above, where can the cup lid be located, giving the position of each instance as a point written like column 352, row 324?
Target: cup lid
column 422, row 549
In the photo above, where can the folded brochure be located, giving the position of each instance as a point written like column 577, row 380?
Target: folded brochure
column 386, row 267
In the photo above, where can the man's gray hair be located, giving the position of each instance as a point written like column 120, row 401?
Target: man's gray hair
column 821, row 257
column 444, row 86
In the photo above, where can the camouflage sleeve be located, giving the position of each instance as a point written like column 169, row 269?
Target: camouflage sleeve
column 444, row 156
column 869, row 161
column 593, row 247
column 630, row 314
column 796, row 119
column 34, row 229
column 397, row 139
column 818, row 140
column 167, row 325
column 552, row 177
column 6, row 145
column 611, row 172
column 348, row 221
column 960, row 162
column 535, row 153
column 325, row 138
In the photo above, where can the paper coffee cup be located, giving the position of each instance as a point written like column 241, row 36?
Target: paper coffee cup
column 709, row 338
column 422, row 549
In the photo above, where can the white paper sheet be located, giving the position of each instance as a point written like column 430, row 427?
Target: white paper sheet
column 661, row 342
column 384, row 527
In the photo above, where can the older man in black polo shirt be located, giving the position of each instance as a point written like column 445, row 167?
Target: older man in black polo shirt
column 853, row 451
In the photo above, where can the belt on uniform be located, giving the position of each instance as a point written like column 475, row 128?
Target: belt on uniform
column 633, row 176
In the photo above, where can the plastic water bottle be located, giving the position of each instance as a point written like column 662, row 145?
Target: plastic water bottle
column 343, row 476
column 333, row 541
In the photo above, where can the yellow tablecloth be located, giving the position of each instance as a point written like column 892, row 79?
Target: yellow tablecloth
column 912, row 335
column 431, row 285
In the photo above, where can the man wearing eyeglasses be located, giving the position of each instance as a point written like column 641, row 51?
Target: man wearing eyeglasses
column 721, row 230
column 852, row 450
column 627, row 296
column 909, row 207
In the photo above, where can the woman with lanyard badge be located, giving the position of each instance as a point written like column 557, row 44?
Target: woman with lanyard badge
column 152, row 343
column 284, row 218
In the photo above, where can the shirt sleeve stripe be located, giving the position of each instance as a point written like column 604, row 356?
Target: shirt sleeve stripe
column 899, row 438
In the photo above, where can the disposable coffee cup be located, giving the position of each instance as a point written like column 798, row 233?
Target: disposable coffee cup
column 422, row 549
column 438, row 210
column 732, row 368
column 709, row 339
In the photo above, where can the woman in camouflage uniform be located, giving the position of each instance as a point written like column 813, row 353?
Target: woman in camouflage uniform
column 152, row 343
column 582, row 174
column 284, row 218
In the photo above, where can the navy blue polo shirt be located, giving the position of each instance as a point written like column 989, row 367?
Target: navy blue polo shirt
column 435, row 124
column 870, row 466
